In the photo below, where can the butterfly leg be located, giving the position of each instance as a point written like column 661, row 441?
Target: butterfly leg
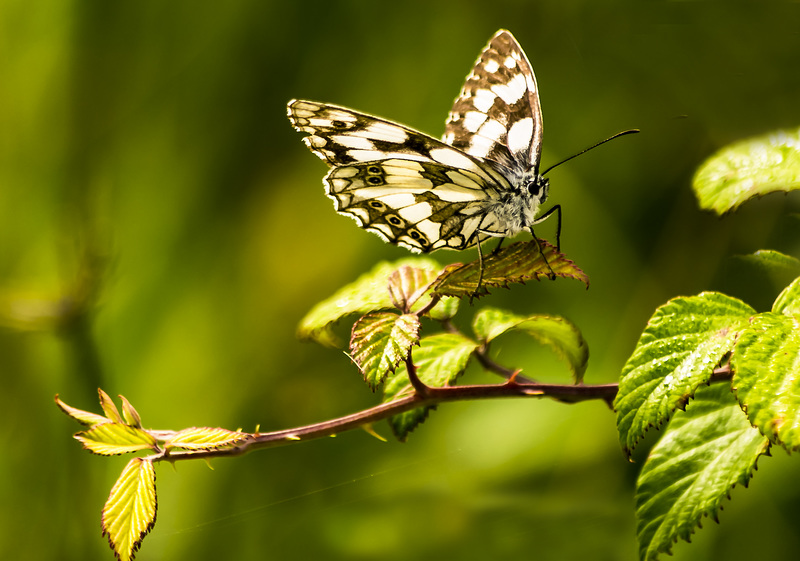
column 480, row 273
column 552, row 274
column 555, row 209
column 497, row 248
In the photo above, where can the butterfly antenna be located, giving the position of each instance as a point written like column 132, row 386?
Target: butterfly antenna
column 592, row 147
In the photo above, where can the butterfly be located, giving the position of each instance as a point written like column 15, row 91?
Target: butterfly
column 480, row 181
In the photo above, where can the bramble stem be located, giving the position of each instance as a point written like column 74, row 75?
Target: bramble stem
column 482, row 354
column 427, row 308
column 515, row 387
column 421, row 389
column 435, row 396
column 424, row 396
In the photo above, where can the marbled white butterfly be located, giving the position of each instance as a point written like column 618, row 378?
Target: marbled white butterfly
column 482, row 180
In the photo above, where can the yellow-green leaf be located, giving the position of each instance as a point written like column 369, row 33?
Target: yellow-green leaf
column 704, row 453
column 788, row 301
column 111, row 439
column 130, row 414
column 368, row 293
column 130, row 511
column 380, row 341
column 516, row 263
column 83, row 417
column 445, row 309
column 558, row 333
column 766, row 365
column 440, row 360
column 204, row 438
column 684, row 341
column 408, row 284
column 747, row 169
column 109, row 408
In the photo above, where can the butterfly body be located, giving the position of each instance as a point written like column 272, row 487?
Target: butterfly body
column 480, row 181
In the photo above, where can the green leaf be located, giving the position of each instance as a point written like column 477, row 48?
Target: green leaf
column 408, row 284
column 682, row 344
column 380, row 341
column 516, row 263
column 704, row 453
column 775, row 267
column 774, row 262
column 204, row 438
column 367, row 294
column 440, row 359
column 558, row 333
column 788, row 301
column 445, row 309
column 490, row 323
column 130, row 414
column 766, row 364
column 130, row 511
column 83, row 417
column 753, row 167
column 109, row 408
column 407, row 287
column 111, row 439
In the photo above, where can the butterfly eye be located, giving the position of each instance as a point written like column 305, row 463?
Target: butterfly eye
column 536, row 186
column 377, row 205
column 373, row 170
column 374, row 180
column 338, row 124
column 394, row 221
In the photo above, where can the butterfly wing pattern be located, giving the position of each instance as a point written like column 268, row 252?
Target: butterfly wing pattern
column 482, row 180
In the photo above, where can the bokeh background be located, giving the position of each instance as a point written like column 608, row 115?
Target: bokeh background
column 163, row 229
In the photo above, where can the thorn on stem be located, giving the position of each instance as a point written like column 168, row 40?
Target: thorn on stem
column 512, row 380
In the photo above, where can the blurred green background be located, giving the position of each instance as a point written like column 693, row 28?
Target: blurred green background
column 163, row 229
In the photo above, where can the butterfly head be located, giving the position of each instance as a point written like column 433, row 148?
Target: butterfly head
column 537, row 187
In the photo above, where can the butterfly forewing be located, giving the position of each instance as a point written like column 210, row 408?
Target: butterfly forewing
column 340, row 136
column 497, row 115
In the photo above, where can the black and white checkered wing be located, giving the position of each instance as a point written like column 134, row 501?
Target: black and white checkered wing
column 413, row 190
column 497, row 116
column 409, row 188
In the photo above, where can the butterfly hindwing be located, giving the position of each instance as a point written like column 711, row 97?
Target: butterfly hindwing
column 421, row 205
column 497, row 116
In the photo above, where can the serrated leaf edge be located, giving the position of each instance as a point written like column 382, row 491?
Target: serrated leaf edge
column 86, row 418
column 179, row 439
column 657, row 317
column 145, row 475
column 138, row 440
column 713, row 514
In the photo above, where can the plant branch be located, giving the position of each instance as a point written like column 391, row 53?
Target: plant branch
column 435, row 396
column 429, row 306
column 419, row 386
column 482, row 355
